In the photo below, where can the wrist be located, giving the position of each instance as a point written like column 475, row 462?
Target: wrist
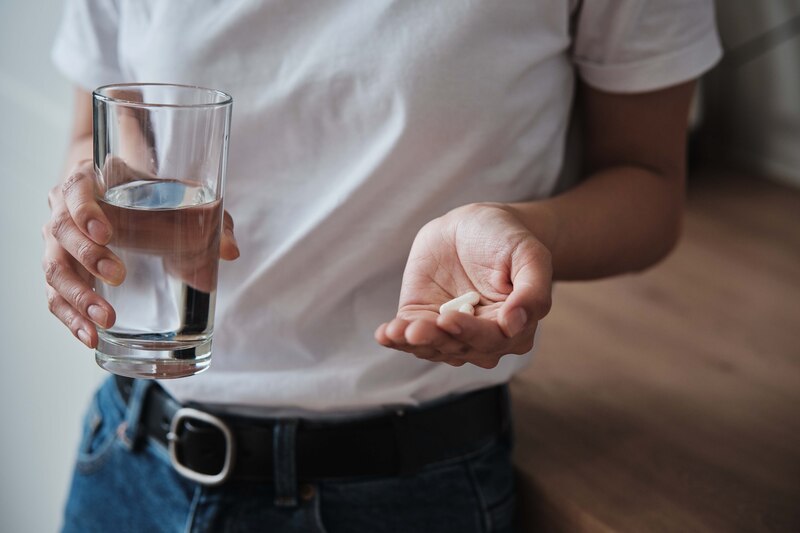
column 540, row 219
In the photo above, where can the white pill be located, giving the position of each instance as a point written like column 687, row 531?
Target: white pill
column 466, row 308
column 471, row 298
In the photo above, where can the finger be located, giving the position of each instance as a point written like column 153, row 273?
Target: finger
column 481, row 334
column 427, row 333
column 78, row 192
column 228, row 248
column 424, row 352
column 530, row 298
column 523, row 342
column 396, row 331
column 78, row 325
column 446, row 358
column 96, row 259
column 200, row 276
column 73, row 288
column 485, row 361
column 420, row 352
column 381, row 337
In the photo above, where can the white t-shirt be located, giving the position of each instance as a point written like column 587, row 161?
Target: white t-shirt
column 356, row 122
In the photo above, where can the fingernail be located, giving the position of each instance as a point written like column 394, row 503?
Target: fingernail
column 99, row 231
column 98, row 315
column 85, row 338
column 515, row 321
column 110, row 269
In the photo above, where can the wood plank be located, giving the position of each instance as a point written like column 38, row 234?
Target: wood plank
column 669, row 401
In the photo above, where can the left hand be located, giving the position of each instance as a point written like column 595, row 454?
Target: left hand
column 478, row 247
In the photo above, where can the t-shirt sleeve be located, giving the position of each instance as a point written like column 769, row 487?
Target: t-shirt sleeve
column 629, row 46
column 86, row 45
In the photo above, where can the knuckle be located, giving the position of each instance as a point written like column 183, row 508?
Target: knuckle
column 59, row 223
column 72, row 181
column 80, row 209
column 52, row 301
column 86, row 253
column 78, row 297
column 52, row 270
column 69, row 319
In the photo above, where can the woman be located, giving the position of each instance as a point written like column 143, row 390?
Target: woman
column 363, row 130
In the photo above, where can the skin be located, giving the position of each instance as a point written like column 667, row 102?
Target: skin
column 624, row 216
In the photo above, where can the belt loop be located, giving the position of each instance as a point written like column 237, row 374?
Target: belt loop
column 131, row 433
column 284, row 462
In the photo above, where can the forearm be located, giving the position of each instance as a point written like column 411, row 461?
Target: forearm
column 620, row 219
column 80, row 149
column 80, row 139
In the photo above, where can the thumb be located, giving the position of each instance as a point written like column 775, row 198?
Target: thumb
column 531, row 278
column 228, row 248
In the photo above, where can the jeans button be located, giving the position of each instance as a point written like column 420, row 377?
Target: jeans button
column 307, row 492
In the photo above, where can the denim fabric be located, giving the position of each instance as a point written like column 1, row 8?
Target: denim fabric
column 119, row 486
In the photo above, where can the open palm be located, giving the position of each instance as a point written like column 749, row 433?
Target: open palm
column 482, row 248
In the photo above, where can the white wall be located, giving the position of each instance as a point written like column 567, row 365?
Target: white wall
column 46, row 378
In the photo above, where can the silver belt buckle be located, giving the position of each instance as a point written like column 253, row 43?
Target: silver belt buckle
column 172, row 441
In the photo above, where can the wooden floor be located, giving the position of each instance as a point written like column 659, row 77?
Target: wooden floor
column 670, row 401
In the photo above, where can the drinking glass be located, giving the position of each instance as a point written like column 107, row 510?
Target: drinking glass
column 160, row 153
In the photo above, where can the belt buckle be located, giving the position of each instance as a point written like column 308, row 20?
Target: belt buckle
column 173, row 437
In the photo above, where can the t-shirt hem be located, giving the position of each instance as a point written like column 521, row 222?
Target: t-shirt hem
column 654, row 73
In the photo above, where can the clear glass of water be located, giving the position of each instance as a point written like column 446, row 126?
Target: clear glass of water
column 160, row 153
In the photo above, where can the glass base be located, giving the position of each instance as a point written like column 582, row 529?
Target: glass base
column 155, row 361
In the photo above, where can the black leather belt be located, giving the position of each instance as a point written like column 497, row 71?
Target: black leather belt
column 212, row 448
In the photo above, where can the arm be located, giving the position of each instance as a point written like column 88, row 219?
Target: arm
column 80, row 139
column 624, row 216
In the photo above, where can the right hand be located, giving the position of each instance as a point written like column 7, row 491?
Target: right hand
column 76, row 238
column 75, row 253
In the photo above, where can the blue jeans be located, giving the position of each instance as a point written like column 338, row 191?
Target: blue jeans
column 120, row 487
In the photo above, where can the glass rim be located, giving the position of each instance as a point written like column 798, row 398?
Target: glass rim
column 226, row 99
